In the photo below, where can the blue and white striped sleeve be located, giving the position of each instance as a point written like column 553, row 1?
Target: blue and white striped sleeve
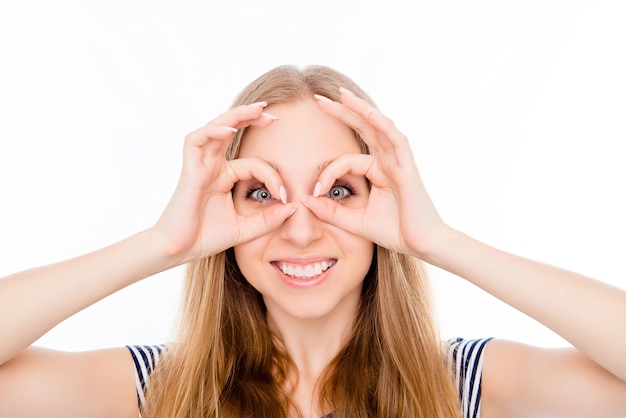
column 467, row 358
column 145, row 358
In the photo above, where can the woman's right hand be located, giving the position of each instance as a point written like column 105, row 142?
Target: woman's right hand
column 200, row 219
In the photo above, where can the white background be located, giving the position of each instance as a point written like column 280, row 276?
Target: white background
column 516, row 113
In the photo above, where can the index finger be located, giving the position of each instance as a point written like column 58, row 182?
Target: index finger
column 354, row 164
column 255, row 168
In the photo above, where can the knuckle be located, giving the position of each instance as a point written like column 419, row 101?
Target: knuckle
column 191, row 137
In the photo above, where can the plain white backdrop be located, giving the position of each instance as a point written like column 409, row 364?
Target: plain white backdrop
column 515, row 111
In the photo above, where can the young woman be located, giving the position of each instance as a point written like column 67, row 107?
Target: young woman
column 304, row 223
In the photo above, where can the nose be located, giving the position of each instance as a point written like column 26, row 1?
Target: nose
column 302, row 228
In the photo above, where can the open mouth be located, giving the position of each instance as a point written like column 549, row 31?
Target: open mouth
column 304, row 271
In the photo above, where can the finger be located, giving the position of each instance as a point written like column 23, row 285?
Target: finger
column 355, row 164
column 245, row 115
column 391, row 137
column 223, row 127
column 255, row 168
column 265, row 221
column 388, row 136
column 329, row 211
column 359, row 118
column 201, row 136
column 209, row 140
column 350, row 118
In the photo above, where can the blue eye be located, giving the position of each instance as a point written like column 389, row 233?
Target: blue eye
column 339, row 192
column 259, row 193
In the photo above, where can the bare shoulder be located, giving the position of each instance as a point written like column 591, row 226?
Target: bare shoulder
column 42, row 382
column 525, row 381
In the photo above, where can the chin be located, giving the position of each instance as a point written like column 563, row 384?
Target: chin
column 301, row 311
column 312, row 309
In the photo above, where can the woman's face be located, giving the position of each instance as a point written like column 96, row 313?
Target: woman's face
column 306, row 268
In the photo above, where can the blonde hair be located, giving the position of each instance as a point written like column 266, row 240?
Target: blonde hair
column 226, row 362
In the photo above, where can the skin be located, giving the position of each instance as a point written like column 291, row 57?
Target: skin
column 204, row 218
column 313, row 319
column 303, row 139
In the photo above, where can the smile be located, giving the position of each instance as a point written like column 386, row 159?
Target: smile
column 305, row 271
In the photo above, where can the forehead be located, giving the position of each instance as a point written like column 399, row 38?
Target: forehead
column 302, row 133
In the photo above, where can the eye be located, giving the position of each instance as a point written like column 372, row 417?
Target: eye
column 258, row 193
column 340, row 192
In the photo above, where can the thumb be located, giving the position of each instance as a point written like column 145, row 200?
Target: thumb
column 331, row 212
column 267, row 220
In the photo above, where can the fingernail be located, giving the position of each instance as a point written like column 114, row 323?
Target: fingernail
column 322, row 98
column 228, row 128
column 283, row 194
column 269, row 116
column 262, row 104
column 346, row 91
column 316, row 190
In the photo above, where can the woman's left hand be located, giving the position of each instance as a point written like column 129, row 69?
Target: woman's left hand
column 399, row 214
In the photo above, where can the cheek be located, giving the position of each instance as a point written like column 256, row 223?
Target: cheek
column 361, row 253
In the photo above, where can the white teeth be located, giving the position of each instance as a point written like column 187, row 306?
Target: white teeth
column 299, row 271
column 305, row 272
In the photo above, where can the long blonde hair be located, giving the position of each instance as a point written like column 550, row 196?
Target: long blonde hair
column 225, row 361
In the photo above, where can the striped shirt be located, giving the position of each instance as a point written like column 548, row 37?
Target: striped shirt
column 466, row 356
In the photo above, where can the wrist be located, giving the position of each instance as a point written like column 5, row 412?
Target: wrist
column 440, row 247
column 159, row 250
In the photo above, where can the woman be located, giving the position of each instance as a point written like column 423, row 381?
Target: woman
column 303, row 219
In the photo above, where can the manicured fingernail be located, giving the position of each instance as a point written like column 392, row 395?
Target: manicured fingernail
column 316, row 190
column 261, row 104
column 346, row 91
column 269, row 116
column 283, row 194
column 322, row 98
column 229, row 128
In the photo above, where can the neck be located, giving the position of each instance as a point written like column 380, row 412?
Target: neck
column 313, row 342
